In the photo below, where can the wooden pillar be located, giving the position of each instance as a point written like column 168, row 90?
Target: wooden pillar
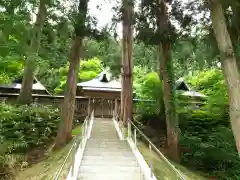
column 116, row 107
column 89, row 106
column 93, row 105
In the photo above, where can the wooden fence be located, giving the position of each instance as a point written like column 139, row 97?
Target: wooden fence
column 103, row 107
column 81, row 104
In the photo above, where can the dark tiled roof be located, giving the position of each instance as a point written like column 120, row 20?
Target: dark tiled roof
column 18, row 83
column 102, row 82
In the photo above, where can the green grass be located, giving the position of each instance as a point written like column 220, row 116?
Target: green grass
column 46, row 169
column 76, row 131
column 161, row 169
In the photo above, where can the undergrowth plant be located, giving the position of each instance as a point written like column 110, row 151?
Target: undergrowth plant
column 23, row 128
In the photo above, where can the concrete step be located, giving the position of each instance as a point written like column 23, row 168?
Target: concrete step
column 99, row 141
column 109, row 162
column 103, row 132
column 104, row 138
column 110, row 150
column 107, row 148
column 87, row 176
column 110, row 169
column 106, row 153
column 108, row 158
column 106, row 144
column 110, row 134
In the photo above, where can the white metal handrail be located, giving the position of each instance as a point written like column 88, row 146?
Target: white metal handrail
column 59, row 171
column 151, row 147
column 131, row 126
column 78, row 144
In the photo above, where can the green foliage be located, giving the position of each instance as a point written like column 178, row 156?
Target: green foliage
column 10, row 68
column 206, row 137
column 208, row 144
column 206, row 141
column 109, row 51
column 139, row 74
column 93, row 64
column 26, row 127
column 87, row 75
column 89, row 69
column 208, row 81
column 212, row 84
column 148, row 87
column 23, row 128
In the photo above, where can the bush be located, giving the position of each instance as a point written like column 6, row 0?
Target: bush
column 208, row 144
column 24, row 128
column 150, row 89
column 212, row 84
column 10, row 68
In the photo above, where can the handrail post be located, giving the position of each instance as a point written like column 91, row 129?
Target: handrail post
column 73, row 161
column 150, row 150
column 82, row 135
column 86, row 128
column 135, row 137
column 129, row 129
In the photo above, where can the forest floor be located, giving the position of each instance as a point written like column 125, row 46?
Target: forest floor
column 47, row 168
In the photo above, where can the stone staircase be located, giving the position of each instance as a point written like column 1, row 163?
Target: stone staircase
column 106, row 157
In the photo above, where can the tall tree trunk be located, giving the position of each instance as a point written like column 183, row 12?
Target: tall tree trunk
column 25, row 96
column 123, row 81
column 65, row 129
column 166, row 72
column 234, row 31
column 128, row 62
column 229, row 66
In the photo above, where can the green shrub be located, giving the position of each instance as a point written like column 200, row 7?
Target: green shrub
column 150, row 89
column 212, row 84
column 200, row 120
column 208, row 143
column 10, row 68
column 23, row 128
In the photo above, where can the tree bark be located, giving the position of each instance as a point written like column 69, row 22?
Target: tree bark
column 128, row 62
column 65, row 132
column 234, row 31
column 123, row 81
column 25, row 96
column 229, row 66
column 166, row 72
column 65, row 128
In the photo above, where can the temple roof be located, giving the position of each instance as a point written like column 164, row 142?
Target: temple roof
column 17, row 84
column 102, row 82
column 182, row 85
column 186, row 90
